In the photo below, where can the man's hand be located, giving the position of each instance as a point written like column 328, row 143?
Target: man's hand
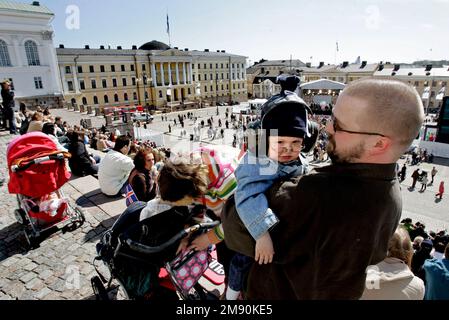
column 200, row 243
column 264, row 249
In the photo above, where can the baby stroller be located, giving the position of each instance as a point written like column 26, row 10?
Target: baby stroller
column 37, row 171
column 142, row 262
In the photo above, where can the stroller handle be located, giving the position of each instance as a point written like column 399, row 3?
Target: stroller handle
column 17, row 168
column 141, row 248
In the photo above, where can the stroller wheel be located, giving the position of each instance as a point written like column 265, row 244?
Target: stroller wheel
column 99, row 289
column 21, row 216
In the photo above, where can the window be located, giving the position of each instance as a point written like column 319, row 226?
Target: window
column 144, row 67
column 106, row 99
column 112, row 68
column 91, row 69
column 199, row 66
column 104, row 83
column 70, row 85
column 238, row 85
column 82, row 85
column 222, row 87
column 32, row 53
column 211, row 76
column 125, row 96
column 205, row 77
column 205, row 88
column 124, row 82
column 116, row 97
column 210, row 65
column 38, row 83
column 193, row 77
column 84, row 100
column 114, row 83
column 132, row 67
column 80, row 69
column 122, row 67
column 95, row 100
column 222, row 65
column 233, row 67
column 227, row 65
column 434, row 83
column 101, row 68
column 160, row 93
column 135, row 96
column 133, row 80
column 5, row 61
column 222, row 76
column 205, row 66
column 68, row 70
column 188, row 91
column 94, row 84
column 199, row 77
column 216, row 66
column 211, row 88
column 146, row 95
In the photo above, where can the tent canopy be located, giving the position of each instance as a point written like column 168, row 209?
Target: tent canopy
column 323, row 84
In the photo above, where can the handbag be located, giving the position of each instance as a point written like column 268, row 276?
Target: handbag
column 188, row 267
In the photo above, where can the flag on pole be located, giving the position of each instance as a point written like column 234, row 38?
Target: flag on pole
column 130, row 195
column 337, row 46
column 168, row 25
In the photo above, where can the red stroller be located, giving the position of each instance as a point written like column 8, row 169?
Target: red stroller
column 37, row 171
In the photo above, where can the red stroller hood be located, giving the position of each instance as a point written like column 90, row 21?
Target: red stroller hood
column 39, row 179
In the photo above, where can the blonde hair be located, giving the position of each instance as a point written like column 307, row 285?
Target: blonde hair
column 395, row 108
column 400, row 246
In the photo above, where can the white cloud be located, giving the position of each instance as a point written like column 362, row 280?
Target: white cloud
column 427, row 26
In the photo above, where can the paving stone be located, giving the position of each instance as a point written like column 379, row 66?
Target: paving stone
column 32, row 283
column 44, row 275
column 4, row 296
column 28, row 277
column 42, row 293
column 28, row 295
column 59, row 285
column 30, row 266
column 15, row 289
column 9, row 262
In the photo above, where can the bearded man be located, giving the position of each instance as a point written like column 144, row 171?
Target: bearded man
column 337, row 220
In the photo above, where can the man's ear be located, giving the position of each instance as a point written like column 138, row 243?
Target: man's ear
column 381, row 145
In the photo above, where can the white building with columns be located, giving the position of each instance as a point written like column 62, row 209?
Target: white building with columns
column 27, row 53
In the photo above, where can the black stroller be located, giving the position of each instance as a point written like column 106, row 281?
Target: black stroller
column 140, row 255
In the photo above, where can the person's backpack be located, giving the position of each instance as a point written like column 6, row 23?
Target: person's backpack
column 24, row 126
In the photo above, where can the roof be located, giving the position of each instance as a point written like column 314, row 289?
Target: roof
column 214, row 54
column 99, row 52
column 23, row 7
column 295, row 63
column 420, row 72
column 357, row 68
column 154, row 45
column 323, row 84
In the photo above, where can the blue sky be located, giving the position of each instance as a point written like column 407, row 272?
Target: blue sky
column 376, row 30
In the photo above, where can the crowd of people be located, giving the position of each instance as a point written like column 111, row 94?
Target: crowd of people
column 286, row 231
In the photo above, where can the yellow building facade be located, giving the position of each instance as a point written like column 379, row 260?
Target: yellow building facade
column 169, row 79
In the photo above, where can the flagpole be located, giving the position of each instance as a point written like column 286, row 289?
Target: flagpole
column 168, row 30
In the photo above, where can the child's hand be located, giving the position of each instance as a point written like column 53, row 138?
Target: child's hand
column 264, row 249
column 200, row 243
column 182, row 245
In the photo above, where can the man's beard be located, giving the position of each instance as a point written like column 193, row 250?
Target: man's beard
column 348, row 156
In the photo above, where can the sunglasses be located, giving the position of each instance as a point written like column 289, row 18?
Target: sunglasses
column 337, row 128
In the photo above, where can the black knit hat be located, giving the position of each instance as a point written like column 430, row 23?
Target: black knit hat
column 288, row 120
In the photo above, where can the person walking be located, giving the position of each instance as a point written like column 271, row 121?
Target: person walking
column 433, row 173
column 440, row 190
column 424, row 182
column 415, row 176
column 403, row 172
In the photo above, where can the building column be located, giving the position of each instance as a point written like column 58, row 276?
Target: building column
column 65, row 87
column 184, row 72
column 154, row 74
column 177, row 74
column 190, row 73
column 162, row 74
column 75, row 80
column 169, row 74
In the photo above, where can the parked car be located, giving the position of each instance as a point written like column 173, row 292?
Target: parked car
column 142, row 117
